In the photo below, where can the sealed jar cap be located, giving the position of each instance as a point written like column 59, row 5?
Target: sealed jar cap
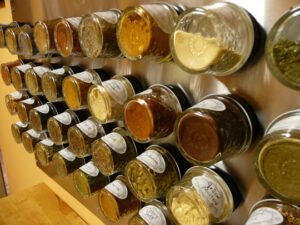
column 282, row 48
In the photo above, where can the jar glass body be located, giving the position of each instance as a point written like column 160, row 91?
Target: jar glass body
column 3, row 28
column 18, row 76
column 11, row 38
column 5, row 70
column 27, row 45
column 30, row 138
column 12, row 99
column 17, row 129
column 24, row 106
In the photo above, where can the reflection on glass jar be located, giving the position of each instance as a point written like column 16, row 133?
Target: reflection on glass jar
column 151, row 114
column 97, row 34
column 45, row 150
column 75, row 87
column 203, row 196
column 273, row 211
column 143, row 31
column 65, row 162
column 38, row 116
column 113, row 151
column 27, row 46
column 58, row 125
column 153, row 213
column 88, row 180
column 278, row 157
column 116, row 201
column 66, row 36
column 282, row 48
column 217, row 127
column 17, row 129
column 30, row 138
column 106, row 101
column 24, row 106
column 215, row 39
column 6, row 68
column 18, row 76
column 3, row 28
column 12, row 99
column 11, row 38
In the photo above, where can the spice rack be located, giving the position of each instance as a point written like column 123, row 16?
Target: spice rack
column 254, row 81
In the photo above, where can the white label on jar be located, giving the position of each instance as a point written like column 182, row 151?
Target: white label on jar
column 118, row 189
column 75, row 21
column 34, row 134
column 20, row 124
column 90, row 169
column 16, row 95
column 212, row 194
column 23, row 68
column 84, row 76
column 110, row 17
column 28, row 101
column 60, row 71
column 116, row 142
column 64, row 118
column 40, row 70
column 152, row 215
column 66, row 154
column 89, row 128
column 154, row 160
column 265, row 216
column 47, row 142
column 116, row 89
column 43, row 109
column 211, row 104
column 292, row 122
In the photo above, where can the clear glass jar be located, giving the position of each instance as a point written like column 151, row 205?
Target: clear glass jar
column 24, row 106
column 88, row 180
column 116, row 201
column 5, row 70
column 44, row 151
column 217, row 127
column 282, row 48
column 151, row 114
column 30, row 138
column 97, row 34
column 152, row 173
column 65, row 162
column 204, row 194
column 44, row 35
column 12, row 99
column 144, row 30
column 273, row 211
column 38, row 116
column 27, row 45
column 66, row 36
column 3, row 28
column 113, row 151
column 52, row 82
column 153, row 213
column 75, row 87
column 106, row 101
column 58, row 125
column 215, row 39
column 18, row 75
column 11, row 38
column 278, row 157
column 17, row 129
column 81, row 136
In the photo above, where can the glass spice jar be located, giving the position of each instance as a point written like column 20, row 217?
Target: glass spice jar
column 217, row 127
column 66, row 36
column 278, row 157
column 282, row 48
column 24, row 106
column 17, row 129
column 12, row 99
column 58, row 125
column 113, row 151
column 11, row 38
column 27, row 46
column 75, row 87
column 88, row 180
column 81, row 136
column 38, row 116
column 143, row 31
column 106, row 101
column 3, row 28
column 116, row 201
column 18, row 75
column 204, row 196
column 6, row 68
column 153, row 213
column 52, row 82
column 30, row 138
column 97, row 34
column 216, row 39
column 151, row 114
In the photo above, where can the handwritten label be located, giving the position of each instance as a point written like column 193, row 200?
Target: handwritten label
column 60, row 71
column 16, row 95
column 34, row 134
column 118, row 189
column 90, row 169
column 40, row 70
column 265, row 216
column 116, row 89
column 75, row 21
column 43, row 109
column 28, row 101
column 211, row 104
column 66, row 154
column 84, row 76
column 290, row 123
column 152, row 215
column 47, row 142
column 116, row 142
column 89, row 128
column 23, row 68
column 64, row 118
column 154, row 160
column 110, row 17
